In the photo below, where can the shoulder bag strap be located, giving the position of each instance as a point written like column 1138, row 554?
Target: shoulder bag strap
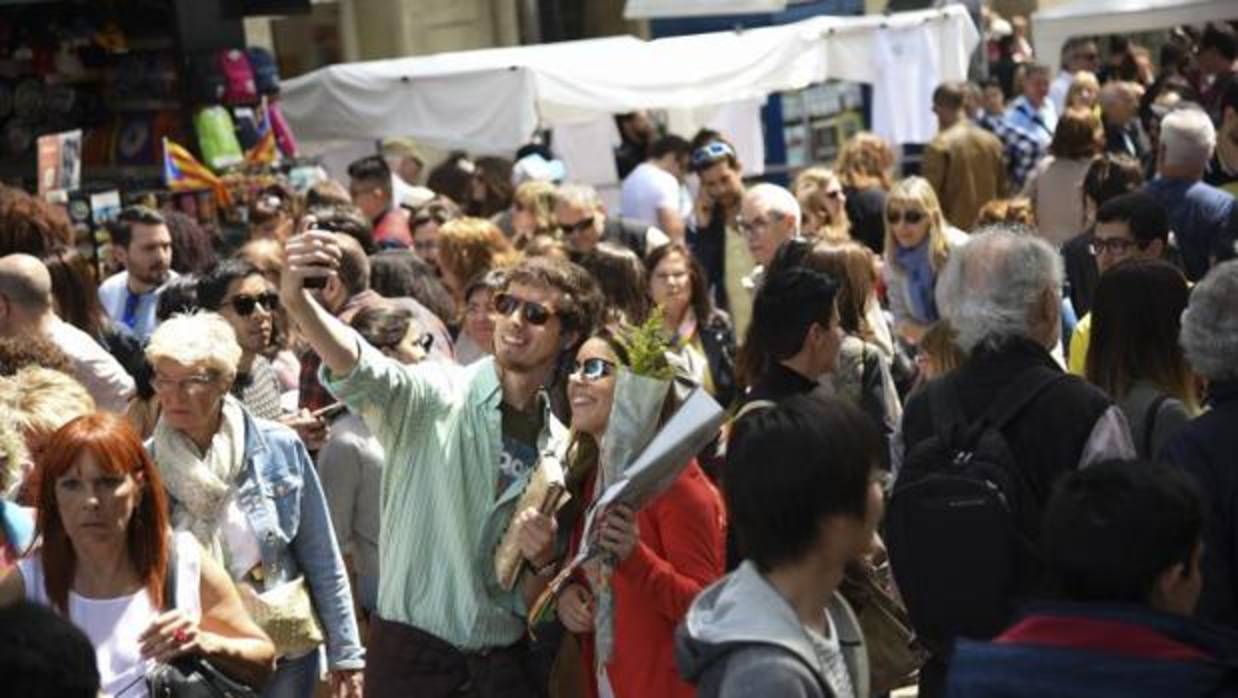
column 1149, row 423
column 169, row 578
column 1019, row 394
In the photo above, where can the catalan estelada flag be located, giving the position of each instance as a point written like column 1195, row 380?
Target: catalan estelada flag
column 183, row 172
column 264, row 151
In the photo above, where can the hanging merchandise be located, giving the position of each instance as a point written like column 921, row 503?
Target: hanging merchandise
column 217, row 138
column 266, row 72
column 283, row 132
column 239, row 87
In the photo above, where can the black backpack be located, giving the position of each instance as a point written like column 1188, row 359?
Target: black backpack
column 963, row 518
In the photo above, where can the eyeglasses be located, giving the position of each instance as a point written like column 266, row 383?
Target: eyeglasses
column 1114, row 245
column 750, row 227
column 533, row 313
column 193, row 384
column 577, row 227
column 245, row 304
column 710, row 153
column 912, row 217
column 592, row 369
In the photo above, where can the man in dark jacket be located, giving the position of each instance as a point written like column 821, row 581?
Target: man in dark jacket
column 1002, row 294
column 1122, row 545
column 1207, row 447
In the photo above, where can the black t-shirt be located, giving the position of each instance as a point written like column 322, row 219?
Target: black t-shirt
column 520, row 431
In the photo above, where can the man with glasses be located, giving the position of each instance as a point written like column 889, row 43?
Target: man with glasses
column 463, row 443
column 143, row 245
column 1129, row 226
column 769, row 216
column 715, row 240
column 581, row 215
column 1078, row 54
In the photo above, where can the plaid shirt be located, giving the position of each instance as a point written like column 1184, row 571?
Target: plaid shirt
column 1022, row 149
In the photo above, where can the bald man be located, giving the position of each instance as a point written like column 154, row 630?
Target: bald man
column 26, row 307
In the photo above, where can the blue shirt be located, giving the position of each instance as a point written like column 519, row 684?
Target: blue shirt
column 134, row 311
column 1040, row 123
column 1198, row 215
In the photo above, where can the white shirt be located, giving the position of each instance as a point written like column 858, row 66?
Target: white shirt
column 114, row 625
column 114, row 294
column 906, row 63
column 645, row 191
column 1058, row 89
column 243, row 551
column 101, row 374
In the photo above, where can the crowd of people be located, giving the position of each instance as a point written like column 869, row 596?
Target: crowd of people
column 1001, row 393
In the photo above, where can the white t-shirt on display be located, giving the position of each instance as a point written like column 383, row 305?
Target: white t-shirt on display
column 646, row 190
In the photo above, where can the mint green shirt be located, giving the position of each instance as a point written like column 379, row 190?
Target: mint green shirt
column 440, row 425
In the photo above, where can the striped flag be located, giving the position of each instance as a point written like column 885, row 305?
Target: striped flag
column 265, row 151
column 183, row 172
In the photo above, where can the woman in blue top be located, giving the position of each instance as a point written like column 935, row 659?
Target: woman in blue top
column 246, row 488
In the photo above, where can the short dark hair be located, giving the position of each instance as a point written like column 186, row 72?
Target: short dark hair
column 346, row 220
column 490, row 280
column 580, row 305
column 785, row 307
column 701, row 300
column 1145, row 216
column 354, row 269
column 620, row 276
column 949, row 95
column 790, row 467
column 670, row 144
column 178, row 296
column 213, row 285
column 400, row 273
column 1221, row 39
column 42, row 655
column 373, row 169
column 383, row 324
column 1109, row 530
column 121, row 229
column 193, row 248
column 1110, row 175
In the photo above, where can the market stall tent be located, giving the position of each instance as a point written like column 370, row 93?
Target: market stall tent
column 1053, row 27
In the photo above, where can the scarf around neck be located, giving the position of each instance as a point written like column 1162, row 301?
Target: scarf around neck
column 202, row 482
column 917, row 264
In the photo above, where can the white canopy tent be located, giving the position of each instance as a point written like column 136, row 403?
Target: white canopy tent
column 493, row 100
column 1053, row 27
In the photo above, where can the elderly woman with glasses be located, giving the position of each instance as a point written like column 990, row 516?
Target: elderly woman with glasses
column 247, row 490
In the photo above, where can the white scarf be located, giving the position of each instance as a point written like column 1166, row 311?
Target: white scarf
column 202, row 483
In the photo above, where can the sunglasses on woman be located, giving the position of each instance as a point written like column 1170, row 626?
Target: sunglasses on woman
column 245, row 304
column 592, row 369
column 533, row 313
column 896, row 217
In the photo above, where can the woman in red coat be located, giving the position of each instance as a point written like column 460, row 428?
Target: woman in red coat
column 664, row 555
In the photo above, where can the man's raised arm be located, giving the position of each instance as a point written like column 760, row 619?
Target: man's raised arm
column 315, row 254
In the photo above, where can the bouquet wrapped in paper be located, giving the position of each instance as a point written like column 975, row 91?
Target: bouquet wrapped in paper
column 546, row 493
column 638, row 460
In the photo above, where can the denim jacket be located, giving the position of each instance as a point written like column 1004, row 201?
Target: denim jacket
column 279, row 491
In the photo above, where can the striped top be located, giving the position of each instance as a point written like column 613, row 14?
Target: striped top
column 440, row 425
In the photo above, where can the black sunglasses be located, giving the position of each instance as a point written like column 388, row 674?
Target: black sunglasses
column 533, row 313
column 244, row 304
column 896, row 217
column 578, row 226
column 592, row 369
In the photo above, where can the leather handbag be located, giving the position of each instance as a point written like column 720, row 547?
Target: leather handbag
column 895, row 655
column 286, row 614
column 190, row 676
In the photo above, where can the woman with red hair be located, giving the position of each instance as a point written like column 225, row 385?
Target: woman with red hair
column 103, row 518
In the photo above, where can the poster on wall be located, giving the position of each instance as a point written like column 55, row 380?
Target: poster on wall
column 60, row 162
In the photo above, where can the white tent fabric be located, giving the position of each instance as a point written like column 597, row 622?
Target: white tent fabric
column 1053, row 27
column 493, row 100
column 650, row 9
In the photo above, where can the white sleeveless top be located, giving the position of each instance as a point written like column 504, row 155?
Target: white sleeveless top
column 114, row 625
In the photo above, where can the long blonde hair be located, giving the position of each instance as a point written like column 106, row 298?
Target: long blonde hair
column 810, row 189
column 918, row 192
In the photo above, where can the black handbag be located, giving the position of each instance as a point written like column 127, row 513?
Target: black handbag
column 190, row 676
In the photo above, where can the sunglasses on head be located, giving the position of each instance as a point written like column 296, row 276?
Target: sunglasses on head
column 245, row 304
column 896, row 217
column 579, row 226
column 710, row 153
column 533, row 313
column 592, row 369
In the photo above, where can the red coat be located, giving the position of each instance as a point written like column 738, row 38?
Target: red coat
column 682, row 549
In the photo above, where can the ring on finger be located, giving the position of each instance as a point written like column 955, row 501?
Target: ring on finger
column 181, row 636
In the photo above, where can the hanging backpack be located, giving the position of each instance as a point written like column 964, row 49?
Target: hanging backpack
column 963, row 518
column 266, row 72
column 239, row 87
column 217, row 138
